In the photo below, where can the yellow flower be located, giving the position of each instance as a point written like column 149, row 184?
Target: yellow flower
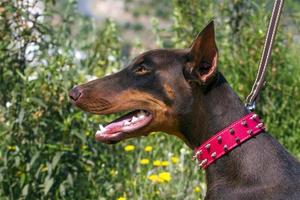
column 12, row 148
column 155, row 179
column 113, row 172
column 160, row 178
column 129, row 148
column 121, row 198
column 144, row 161
column 44, row 169
column 174, row 159
column 19, row 173
column 197, row 189
column 164, row 163
column 165, row 176
column 37, row 114
column 157, row 163
column 148, row 148
column 88, row 169
column 84, row 147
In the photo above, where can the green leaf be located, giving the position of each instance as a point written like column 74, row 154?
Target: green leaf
column 62, row 190
column 56, row 159
column 47, row 185
column 25, row 190
column 70, row 179
column 22, row 179
column 33, row 159
column 21, row 116
column 80, row 136
column 21, row 75
column 39, row 102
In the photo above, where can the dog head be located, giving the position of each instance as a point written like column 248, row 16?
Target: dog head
column 159, row 90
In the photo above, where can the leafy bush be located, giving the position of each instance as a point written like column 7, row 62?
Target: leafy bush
column 47, row 146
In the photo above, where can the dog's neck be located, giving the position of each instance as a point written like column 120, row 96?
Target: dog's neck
column 213, row 110
column 244, row 165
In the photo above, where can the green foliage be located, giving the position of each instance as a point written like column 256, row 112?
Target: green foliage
column 47, row 146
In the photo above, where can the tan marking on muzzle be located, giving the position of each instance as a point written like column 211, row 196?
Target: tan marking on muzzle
column 169, row 91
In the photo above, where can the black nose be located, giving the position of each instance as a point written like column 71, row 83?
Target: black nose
column 75, row 93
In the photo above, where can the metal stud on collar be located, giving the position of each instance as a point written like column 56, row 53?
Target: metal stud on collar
column 225, row 147
column 227, row 139
column 207, row 146
column 214, row 155
column 254, row 117
column 203, row 162
column 244, row 123
column 249, row 131
column 260, row 125
column 197, row 154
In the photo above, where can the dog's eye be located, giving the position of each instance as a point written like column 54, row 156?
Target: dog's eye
column 141, row 70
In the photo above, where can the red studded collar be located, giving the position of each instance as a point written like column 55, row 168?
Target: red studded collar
column 227, row 139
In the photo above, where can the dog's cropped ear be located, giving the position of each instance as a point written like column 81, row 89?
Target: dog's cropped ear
column 202, row 57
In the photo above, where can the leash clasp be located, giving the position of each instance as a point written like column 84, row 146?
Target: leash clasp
column 251, row 106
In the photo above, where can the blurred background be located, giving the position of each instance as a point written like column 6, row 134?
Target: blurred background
column 47, row 146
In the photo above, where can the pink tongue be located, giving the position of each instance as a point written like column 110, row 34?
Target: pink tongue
column 115, row 126
column 119, row 124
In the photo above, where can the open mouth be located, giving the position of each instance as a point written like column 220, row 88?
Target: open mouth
column 121, row 127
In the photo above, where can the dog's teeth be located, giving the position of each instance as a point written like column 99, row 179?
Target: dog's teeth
column 101, row 128
column 141, row 114
column 100, row 132
column 142, row 111
column 134, row 119
column 127, row 123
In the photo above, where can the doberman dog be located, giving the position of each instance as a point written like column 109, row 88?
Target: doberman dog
column 181, row 92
